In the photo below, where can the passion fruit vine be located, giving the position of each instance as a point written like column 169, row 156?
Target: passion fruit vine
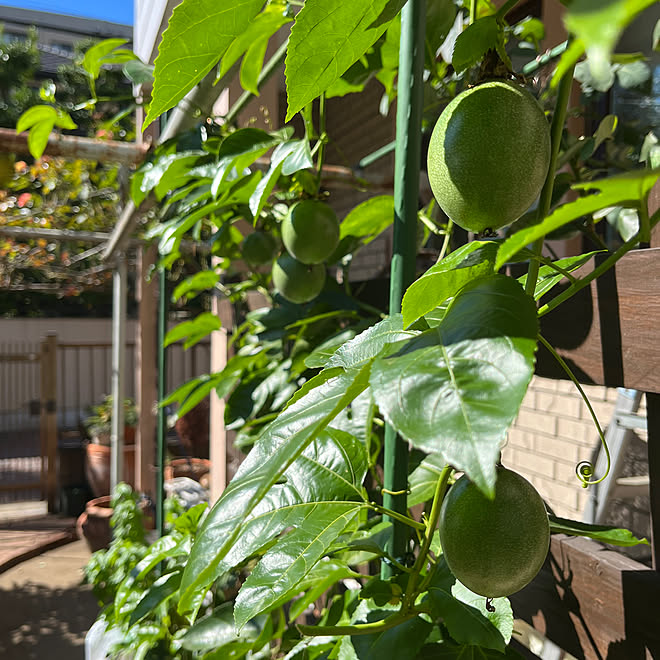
column 489, row 156
column 494, row 547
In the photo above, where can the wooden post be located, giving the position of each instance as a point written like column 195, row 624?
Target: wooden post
column 146, row 372
column 49, row 420
column 217, row 431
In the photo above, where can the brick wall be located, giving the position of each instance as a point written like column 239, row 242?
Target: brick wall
column 553, row 433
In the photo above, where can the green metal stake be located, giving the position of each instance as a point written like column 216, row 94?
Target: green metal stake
column 407, row 159
column 160, row 427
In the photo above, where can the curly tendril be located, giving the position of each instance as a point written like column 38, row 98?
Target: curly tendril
column 584, row 469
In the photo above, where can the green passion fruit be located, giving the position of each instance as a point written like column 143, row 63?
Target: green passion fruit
column 296, row 281
column 259, row 248
column 310, row 231
column 488, row 155
column 494, row 547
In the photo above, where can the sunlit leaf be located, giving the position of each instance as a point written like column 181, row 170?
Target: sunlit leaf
column 444, row 279
column 198, row 34
column 455, row 389
column 253, row 488
column 326, row 39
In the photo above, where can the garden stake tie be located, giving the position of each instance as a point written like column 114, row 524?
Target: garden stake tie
column 407, row 160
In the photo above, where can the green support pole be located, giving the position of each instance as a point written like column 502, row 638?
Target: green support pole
column 161, row 428
column 406, row 201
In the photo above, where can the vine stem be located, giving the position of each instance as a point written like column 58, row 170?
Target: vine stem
column 556, row 128
column 360, row 628
column 438, row 497
column 397, row 516
column 473, row 11
column 562, row 363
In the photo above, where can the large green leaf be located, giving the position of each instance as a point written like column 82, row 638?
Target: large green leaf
column 254, row 489
column 455, row 389
column 198, row 35
column 359, row 351
column 444, row 279
column 277, row 575
column 322, row 576
column 264, row 26
column 465, row 614
column 601, row 533
column 326, row 39
column 627, row 189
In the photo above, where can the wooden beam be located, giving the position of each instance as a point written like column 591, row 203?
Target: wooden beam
column 73, row 146
column 618, row 317
column 593, row 602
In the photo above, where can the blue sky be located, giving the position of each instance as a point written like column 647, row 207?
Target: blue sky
column 117, row 11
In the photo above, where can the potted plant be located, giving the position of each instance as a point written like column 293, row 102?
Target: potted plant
column 98, row 425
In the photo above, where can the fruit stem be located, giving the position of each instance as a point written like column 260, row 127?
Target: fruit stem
column 420, row 562
column 556, row 128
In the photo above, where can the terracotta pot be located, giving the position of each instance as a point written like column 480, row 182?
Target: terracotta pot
column 194, row 468
column 97, row 467
column 93, row 525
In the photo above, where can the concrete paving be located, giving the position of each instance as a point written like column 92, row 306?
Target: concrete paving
column 45, row 611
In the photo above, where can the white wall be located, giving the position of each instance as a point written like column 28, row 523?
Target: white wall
column 83, row 371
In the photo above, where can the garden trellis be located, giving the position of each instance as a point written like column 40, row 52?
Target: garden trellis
column 277, row 513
